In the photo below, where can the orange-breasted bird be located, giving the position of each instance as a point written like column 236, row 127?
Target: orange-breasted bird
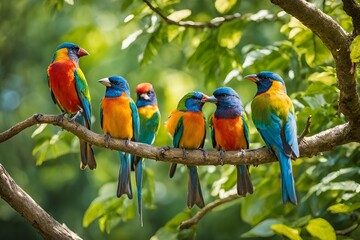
column 186, row 125
column 119, row 118
column 229, row 131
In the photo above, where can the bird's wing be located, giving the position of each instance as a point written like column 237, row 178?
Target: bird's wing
column 135, row 120
column 246, row 128
column 289, row 131
column 101, row 116
column 203, row 140
column 178, row 132
column 149, row 127
column 83, row 93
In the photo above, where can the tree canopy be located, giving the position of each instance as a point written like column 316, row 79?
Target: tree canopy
column 180, row 46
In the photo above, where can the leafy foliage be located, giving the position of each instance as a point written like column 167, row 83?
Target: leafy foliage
column 130, row 39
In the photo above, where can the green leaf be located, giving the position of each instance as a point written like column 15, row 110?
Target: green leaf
column 291, row 233
column 152, row 47
column 343, row 208
column 130, row 39
column 355, row 49
column 327, row 78
column 179, row 15
column 321, row 229
column 262, row 229
column 224, row 6
column 230, row 34
column 171, row 229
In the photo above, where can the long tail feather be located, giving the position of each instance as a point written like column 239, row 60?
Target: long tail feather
column 172, row 170
column 244, row 184
column 138, row 177
column 87, row 155
column 124, row 182
column 287, row 180
column 194, row 189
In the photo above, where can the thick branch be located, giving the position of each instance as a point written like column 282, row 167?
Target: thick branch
column 353, row 10
column 310, row 146
column 338, row 42
column 47, row 226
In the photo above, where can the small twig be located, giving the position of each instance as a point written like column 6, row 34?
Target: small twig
column 306, row 129
column 348, row 230
column 201, row 213
column 213, row 23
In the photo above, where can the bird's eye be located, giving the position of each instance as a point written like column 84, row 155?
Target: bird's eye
column 115, row 83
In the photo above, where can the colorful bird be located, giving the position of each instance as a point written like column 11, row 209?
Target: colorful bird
column 186, row 125
column 149, row 115
column 119, row 118
column 229, row 131
column 274, row 117
column 69, row 90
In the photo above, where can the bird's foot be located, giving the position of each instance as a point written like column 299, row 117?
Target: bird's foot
column 204, row 152
column 127, row 142
column 77, row 114
column 107, row 139
column 221, row 155
column 163, row 150
column 60, row 117
column 184, row 153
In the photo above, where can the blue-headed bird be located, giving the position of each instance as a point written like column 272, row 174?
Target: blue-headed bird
column 120, row 119
column 274, row 117
column 149, row 115
column 186, row 125
column 229, row 131
column 70, row 91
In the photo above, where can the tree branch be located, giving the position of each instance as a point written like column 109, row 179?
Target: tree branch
column 310, row 146
column 201, row 213
column 215, row 22
column 338, row 41
column 353, row 10
column 19, row 200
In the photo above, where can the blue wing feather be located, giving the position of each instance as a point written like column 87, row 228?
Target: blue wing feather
column 291, row 134
column 135, row 120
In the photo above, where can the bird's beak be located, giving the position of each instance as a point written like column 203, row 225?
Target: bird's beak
column 82, row 52
column 211, row 99
column 252, row 77
column 145, row 96
column 105, row 82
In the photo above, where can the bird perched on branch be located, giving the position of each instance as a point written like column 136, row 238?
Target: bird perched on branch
column 186, row 125
column 69, row 90
column 274, row 117
column 119, row 118
column 229, row 131
column 149, row 115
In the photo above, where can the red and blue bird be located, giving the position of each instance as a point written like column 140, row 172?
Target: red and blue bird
column 70, row 91
column 274, row 117
column 119, row 118
column 149, row 115
column 229, row 131
column 186, row 125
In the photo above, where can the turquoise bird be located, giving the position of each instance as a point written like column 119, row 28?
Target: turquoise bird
column 149, row 115
column 229, row 131
column 119, row 118
column 70, row 91
column 186, row 125
column 274, row 117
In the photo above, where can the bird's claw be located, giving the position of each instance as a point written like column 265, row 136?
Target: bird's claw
column 221, row 155
column 77, row 114
column 37, row 117
column 184, row 153
column 127, row 142
column 107, row 140
column 204, row 153
column 60, row 117
column 163, row 150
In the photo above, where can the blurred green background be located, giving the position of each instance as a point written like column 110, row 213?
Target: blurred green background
column 126, row 38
